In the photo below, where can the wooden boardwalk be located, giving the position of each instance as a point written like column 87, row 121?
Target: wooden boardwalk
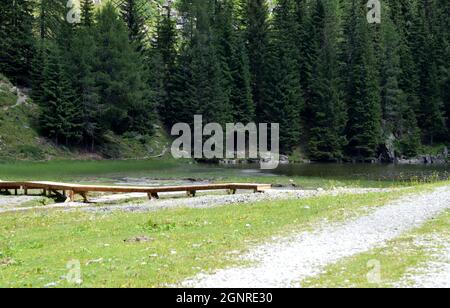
column 68, row 191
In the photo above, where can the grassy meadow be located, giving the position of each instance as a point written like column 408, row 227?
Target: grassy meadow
column 36, row 246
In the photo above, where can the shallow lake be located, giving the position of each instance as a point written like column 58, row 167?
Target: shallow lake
column 175, row 170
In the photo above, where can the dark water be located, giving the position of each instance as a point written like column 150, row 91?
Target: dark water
column 375, row 172
column 366, row 171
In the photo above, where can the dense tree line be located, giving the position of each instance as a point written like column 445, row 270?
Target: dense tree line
column 339, row 86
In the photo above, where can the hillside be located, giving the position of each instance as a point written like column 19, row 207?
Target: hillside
column 20, row 140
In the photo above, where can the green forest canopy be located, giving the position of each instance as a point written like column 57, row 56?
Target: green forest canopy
column 339, row 86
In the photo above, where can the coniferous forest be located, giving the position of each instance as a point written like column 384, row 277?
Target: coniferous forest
column 340, row 87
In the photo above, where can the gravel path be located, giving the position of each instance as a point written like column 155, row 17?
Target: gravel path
column 286, row 262
column 11, row 202
column 201, row 201
column 434, row 274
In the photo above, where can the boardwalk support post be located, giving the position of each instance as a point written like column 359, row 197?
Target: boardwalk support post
column 153, row 195
column 71, row 196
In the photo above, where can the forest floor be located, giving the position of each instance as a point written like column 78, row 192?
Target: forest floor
column 128, row 242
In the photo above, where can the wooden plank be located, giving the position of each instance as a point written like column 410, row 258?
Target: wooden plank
column 151, row 191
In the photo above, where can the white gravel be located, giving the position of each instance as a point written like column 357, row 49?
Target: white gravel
column 286, row 262
column 436, row 272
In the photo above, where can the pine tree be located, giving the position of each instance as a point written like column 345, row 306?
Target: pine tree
column 442, row 34
column 241, row 99
column 58, row 117
column 16, row 39
column 283, row 100
column 51, row 15
column 87, row 13
column 327, row 111
column 199, row 79
column 431, row 108
column 162, row 66
column 125, row 101
column 132, row 14
column 398, row 114
column 257, row 29
column 231, row 49
column 305, row 45
column 83, row 80
column 361, row 85
column 37, row 71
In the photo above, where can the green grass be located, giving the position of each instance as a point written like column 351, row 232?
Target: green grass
column 19, row 139
column 399, row 256
column 36, row 246
column 437, row 149
column 71, row 170
column 7, row 98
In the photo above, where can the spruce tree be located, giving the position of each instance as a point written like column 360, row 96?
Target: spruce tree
column 361, row 85
column 398, row 114
column 162, row 66
column 132, row 14
column 241, row 99
column 199, row 79
column 431, row 107
column 51, row 15
column 83, row 80
column 58, row 118
column 87, row 13
column 236, row 82
column 16, row 40
column 283, row 100
column 442, row 34
column 37, row 70
column 125, row 101
column 326, row 137
column 257, row 30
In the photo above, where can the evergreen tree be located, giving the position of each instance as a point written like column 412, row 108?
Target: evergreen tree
column 163, row 67
column 241, row 99
column 58, row 116
column 50, row 19
column 37, row 71
column 125, row 100
column 132, row 14
column 431, row 108
column 327, row 111
column 87, row 13
column 305, row 45
column 236, row 81
column 199, row 79
column 283, row 100
column 83, row 80
column 16, row 39
column 442, row 34
column 362, row 91
column 257, row 29
column 398, row 114
column 51, row 15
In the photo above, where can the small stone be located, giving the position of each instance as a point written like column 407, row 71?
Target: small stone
column 94, row 261
column 51, row 285
column 139, row 239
